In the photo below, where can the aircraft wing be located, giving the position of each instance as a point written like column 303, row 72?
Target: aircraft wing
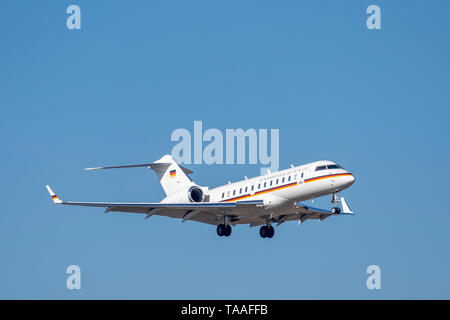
column 297, row 211
column 207, row 212
column 239, row 212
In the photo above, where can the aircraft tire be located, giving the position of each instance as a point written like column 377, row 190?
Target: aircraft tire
column 263, row 231
column 227, row 231
column 336, row 210
column 271, row 232
column 221, row 230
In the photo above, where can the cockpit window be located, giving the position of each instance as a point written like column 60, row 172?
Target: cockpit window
column 321, row 168
column 333, row 166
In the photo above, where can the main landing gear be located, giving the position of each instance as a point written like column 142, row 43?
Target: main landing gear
column 334, row 201
column 224, row 229
column 266, row 231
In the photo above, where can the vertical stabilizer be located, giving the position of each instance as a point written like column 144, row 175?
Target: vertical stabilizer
column 171, row 176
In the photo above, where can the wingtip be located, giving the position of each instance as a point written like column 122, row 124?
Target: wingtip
column 89, row 169
column 53, row 195
column 346, row 208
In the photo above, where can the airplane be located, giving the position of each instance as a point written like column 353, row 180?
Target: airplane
column 260, row 201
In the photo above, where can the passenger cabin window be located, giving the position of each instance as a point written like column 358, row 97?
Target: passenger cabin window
column 276, row 182
column 223, row 195
column 302, row 174
column 234, row 192
column 259, row 185
column 240, row 190
column 321, row 168
column 289, row 178
column 282, row 181
column 271, row 182
column 252, row 187
column 246, row 188
column 265, row 183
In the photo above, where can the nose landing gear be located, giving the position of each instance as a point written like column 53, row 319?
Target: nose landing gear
column 334, row 201
column 335, row 210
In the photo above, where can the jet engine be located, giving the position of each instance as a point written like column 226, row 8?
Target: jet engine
column 195, row 194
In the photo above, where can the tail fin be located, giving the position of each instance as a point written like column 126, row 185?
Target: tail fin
column 171, row 176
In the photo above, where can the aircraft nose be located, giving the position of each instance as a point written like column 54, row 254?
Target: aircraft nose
column 348, row 180
column 351, row 179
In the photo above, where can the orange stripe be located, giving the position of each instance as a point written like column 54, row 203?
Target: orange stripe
column 286, row 186
column 261, row 192
column 239, row 198
column 329, row 176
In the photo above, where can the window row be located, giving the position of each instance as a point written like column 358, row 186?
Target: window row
column 260, row 186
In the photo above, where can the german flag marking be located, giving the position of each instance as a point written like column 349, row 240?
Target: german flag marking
column 173, row 173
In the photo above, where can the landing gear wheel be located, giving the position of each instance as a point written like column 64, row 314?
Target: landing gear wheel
column 266, row 232
column 336, row 210
column 271, row 232
column 263, row 232
column 227, row 231
column 221, row 230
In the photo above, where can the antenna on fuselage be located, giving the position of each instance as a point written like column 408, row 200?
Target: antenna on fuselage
column 292, row 166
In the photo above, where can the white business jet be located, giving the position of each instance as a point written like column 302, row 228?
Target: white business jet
column 260, row 201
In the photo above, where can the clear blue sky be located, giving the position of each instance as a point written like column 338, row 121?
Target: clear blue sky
column 376, row 102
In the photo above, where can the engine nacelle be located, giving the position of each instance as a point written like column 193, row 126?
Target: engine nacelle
column 195, row 194
column 192, row 194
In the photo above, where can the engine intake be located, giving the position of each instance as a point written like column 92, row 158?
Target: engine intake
column 195, row 194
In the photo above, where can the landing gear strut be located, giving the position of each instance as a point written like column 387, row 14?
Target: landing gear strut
column 224, row 229
column 334, row 201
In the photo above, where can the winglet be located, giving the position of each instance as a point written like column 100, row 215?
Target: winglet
column 53, row 195
column 345, row 207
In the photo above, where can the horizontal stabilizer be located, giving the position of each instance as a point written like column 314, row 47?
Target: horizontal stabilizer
column 148, row 165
